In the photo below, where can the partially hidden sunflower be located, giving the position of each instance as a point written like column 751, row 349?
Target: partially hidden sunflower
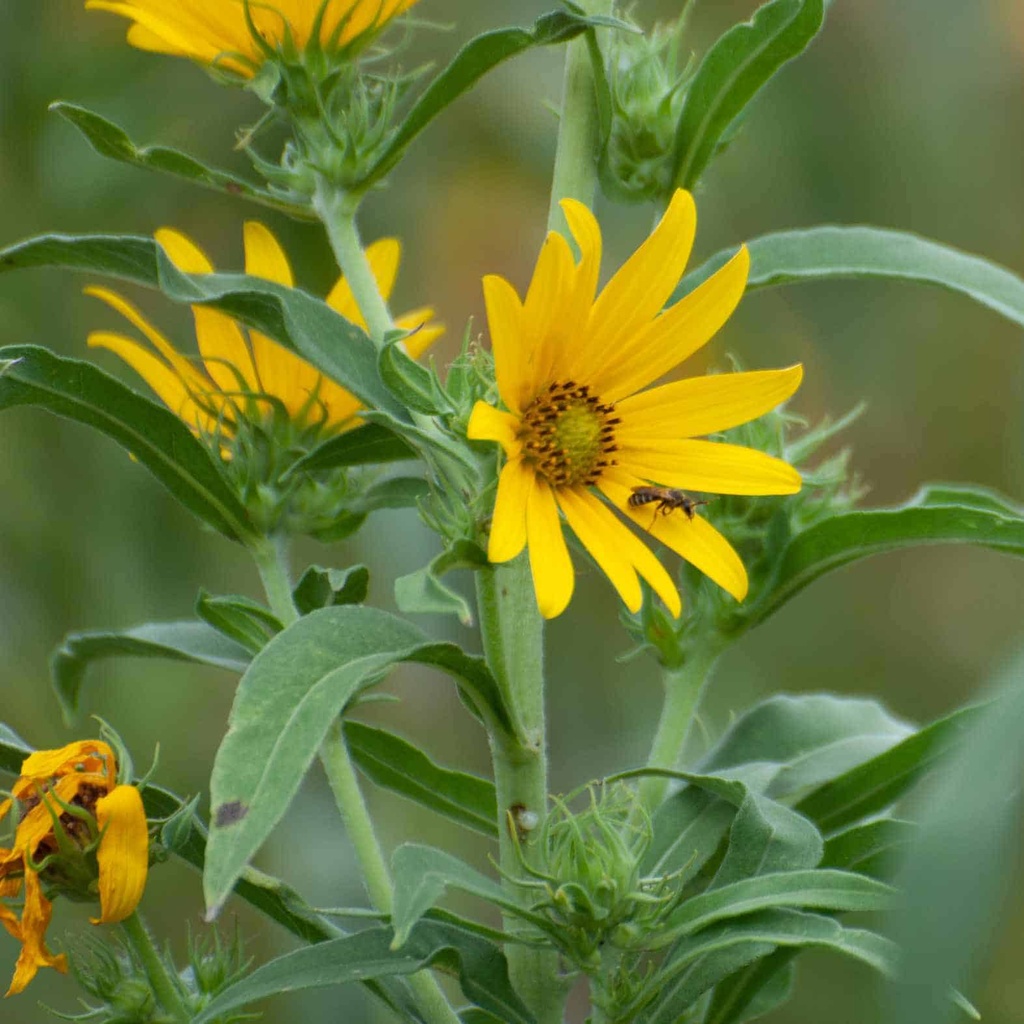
column 78, row 832
column 244, row 373
column 581, row 434
column 220, row 32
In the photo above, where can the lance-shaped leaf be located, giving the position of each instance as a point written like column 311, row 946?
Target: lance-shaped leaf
column 364, row 446
column 829, row 890
column 853, row 251
column 959, row 869
column 872, row 787
column 240, row 618
column 322, row 588
column 111, row 141
column 943, row 515
column 732, row 73
column 284, row 707
column 695, row 965
column 809, row 739
column 152, row 434
column 422, row 874
column 194, row 642
column 422, row 592
column 395, row 764
column 470, row 64
column 869, row 849
column 296, row 319
column 479, row 964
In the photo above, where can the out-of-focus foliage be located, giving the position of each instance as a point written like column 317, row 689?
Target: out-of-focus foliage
column 905, row 115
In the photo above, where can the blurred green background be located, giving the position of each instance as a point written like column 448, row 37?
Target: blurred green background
column 904, row 114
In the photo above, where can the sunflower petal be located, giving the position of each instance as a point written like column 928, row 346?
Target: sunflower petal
column 489, row 424
column 546, row 327
column 703, row 405
column 264, row 256
column 508, row 524
column 550, row 564
column 675, row 335
column 91, row 755
column 694, row 539
column 601, row 534
column 639, row 289
column 123, row 854
column 35, row 919
column 508, row 345
column 712, row 467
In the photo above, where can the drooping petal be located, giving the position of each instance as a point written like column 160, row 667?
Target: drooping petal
column 640, row 288
column 123, row 854
column 550, row 564
column 35, row 919
column 711, row 467
column 599, row 535
column 508, row 524
column 703, row 405
column 489, row 424
column 192, row 378
column 508, row 346
column 694, row 539
column 88, row 755
column 281, row 373
column 167, row 385
column 675, row 335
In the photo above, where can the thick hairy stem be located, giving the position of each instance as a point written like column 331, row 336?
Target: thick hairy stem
column 337, row 212
column 271, row 557
column 164, row 986
column 513, row 638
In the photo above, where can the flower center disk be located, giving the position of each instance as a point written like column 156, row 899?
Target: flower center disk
column 569, row 434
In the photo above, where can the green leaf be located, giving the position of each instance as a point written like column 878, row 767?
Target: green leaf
column 285, row 705
column 470, row 64
column 395, row 492
column 851, row 251
column 322, row 588
column 731, row 74
column 13, row 750
column 193, row 642
column 422, row 592
column 395, row 764
column 152, row 434
column 829, row 890
column 241, row 618
column 415, row 386
column 422, row 874
column 869, row 849
column 761, row 986
column 111, row 141
column 481, row 966
column 297, row 320
column 961, row 866
column 693, row 969
column 872, row 787
column 370, row 445
column 809, row 739
column 930, row 517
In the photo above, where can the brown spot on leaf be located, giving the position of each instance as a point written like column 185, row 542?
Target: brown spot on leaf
column 229, row 813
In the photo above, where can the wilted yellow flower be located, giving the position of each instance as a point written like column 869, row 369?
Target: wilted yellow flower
column 78, row 832
column 581, row 435
column 220, row 32
column 244, row 372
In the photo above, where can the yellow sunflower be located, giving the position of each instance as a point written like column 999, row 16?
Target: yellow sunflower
column 102, row 828
column 242, row 371
column 581, row 435
column 218, row 32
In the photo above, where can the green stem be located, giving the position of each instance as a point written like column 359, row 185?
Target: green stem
column 352, row 807
column 575, row 172
column 271, row 557
column 164, row 986
column 683, row 689
column 337, row 211
column 513, row 639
